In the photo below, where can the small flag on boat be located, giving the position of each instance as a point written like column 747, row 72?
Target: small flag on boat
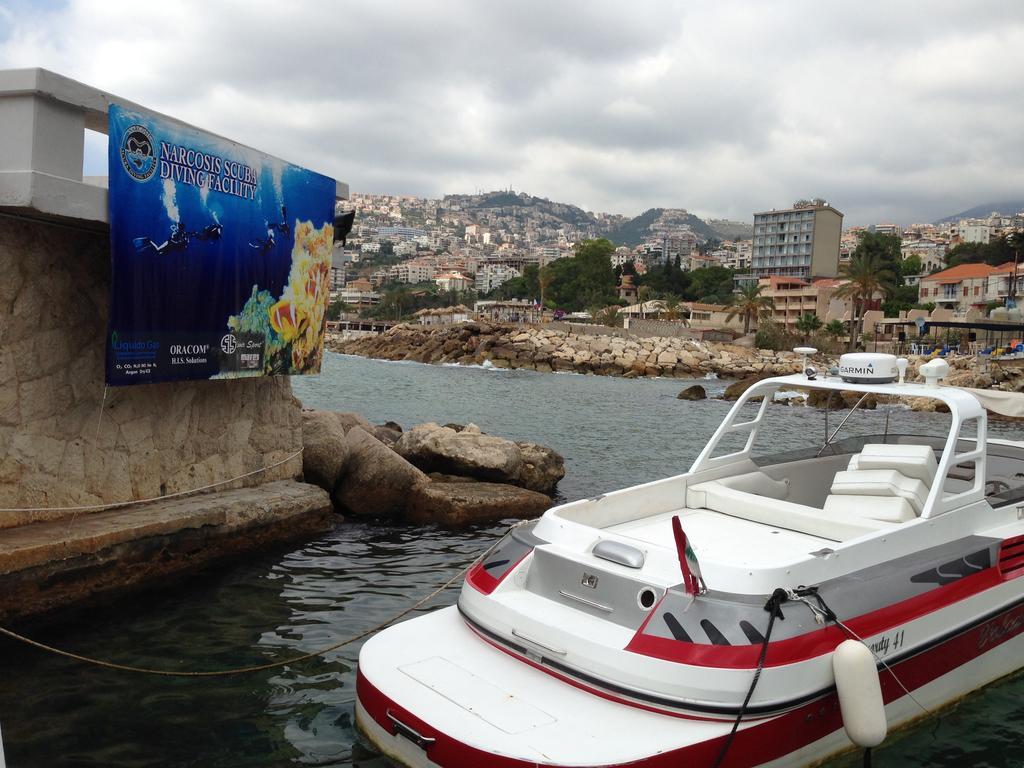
column 688, row 564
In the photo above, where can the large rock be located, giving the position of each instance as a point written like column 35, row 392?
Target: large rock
column 542, row 468
column 349, row 420
column 826, row 398
column 737, row 388
column 458, row 504
column 434, row 448
column 377, row 480
column 693, row 392
column 325, row 449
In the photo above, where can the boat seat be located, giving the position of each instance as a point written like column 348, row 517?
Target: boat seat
column 719, row 497
column 877, row 483
column 757, row 483
column 886, row 509
column 915, row 461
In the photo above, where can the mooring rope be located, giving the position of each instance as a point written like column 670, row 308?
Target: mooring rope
column 133, row 502
column 256, row 667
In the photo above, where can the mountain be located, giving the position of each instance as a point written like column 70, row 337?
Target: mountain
column 650, row 222
column 508, row 203
column 981, row 211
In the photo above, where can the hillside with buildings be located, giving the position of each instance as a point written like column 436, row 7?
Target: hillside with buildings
column 409, row 254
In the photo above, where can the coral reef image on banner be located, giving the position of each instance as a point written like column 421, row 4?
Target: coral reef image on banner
column 220, row 256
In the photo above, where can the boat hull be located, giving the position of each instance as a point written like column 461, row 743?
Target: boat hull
column 469, row 703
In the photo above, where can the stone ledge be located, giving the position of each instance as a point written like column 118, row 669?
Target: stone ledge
column 48, row 565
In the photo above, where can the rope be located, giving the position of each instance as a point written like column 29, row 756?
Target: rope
column 823, row 614
column 774, row 611
column 256, row 667
column 118, row 504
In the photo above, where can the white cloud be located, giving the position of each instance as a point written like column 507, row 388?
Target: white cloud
column 898, row 111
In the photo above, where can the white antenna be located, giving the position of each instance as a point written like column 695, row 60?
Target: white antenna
column 805, row 352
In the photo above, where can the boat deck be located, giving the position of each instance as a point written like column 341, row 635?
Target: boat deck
column 722, row 538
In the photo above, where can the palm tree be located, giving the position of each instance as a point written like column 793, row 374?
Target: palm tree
column 544, row 278
column 609, row 316
column 641, row 296
column 835, row 328
column 866, row 278
column 673, row 309
column 808, row 324
column 749, row 304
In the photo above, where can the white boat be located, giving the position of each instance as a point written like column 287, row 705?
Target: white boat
column 644, row 626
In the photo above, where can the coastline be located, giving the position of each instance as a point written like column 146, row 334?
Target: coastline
column 548, row 350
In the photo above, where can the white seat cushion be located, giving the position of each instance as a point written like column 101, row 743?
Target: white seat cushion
column 881, row 482
column 888, row 509
column 777, row 512
column 757, row 483
column 917, row 461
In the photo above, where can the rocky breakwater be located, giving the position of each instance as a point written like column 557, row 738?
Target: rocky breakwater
column 543, row 349
column 451, row 475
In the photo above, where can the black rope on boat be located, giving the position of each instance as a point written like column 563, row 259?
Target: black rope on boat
column 774, row 608
column 867, row 757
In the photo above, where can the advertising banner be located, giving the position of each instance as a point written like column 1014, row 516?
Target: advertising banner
column 220, row 256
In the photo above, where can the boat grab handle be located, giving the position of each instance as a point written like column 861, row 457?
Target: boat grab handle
column 538, row 643
column 417, row 738
column 618, row 552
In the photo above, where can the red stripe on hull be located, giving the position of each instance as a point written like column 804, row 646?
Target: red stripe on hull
column 771, row 740
column 811, row 644
column 483, row 582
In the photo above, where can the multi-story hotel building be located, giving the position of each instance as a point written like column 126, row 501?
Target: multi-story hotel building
column 802, row 241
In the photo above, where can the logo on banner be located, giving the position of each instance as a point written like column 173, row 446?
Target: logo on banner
column 137, row 155
column 228, row 345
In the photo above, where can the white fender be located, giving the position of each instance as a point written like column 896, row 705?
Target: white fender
column 860, row 694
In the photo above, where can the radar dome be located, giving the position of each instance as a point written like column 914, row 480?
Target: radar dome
column 868, row 368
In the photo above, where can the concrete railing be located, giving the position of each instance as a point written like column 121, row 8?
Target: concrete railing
column 43, row 118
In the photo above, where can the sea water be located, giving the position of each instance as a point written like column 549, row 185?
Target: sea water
column 295, row 598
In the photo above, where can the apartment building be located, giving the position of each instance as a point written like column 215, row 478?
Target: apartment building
column 453, row 281
column 968, row 285
column 490, row 276
column 792, row 298
column 801, row 242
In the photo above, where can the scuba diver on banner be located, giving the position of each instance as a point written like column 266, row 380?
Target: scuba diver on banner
column 179, row 239
column 266, row 244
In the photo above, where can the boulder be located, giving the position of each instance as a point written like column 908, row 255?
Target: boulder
column 386, row 434
column 693, row 392
column 737, row 388
column 826, row 398
column 542, row 468
column 349, row 420
column 458, row 504
column 433, row 448
column 377, row 481
column 325, row 449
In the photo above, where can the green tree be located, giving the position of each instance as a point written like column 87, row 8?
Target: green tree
column 608, row 316
column 585, row 279
column 544, row 278
column 912, row 265
column 673, row 309
column 336, row 309
column 835, row 328
column 749, row 304
column 808, row 324
column 885, row 249
column 711, row 284
column 997, row 251
column 866, row 277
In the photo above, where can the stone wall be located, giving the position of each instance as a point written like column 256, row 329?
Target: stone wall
column 56, row 447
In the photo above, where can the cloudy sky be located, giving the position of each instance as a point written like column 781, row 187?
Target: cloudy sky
column 893, row 111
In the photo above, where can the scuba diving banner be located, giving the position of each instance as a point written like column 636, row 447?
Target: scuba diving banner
column 220, row 256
